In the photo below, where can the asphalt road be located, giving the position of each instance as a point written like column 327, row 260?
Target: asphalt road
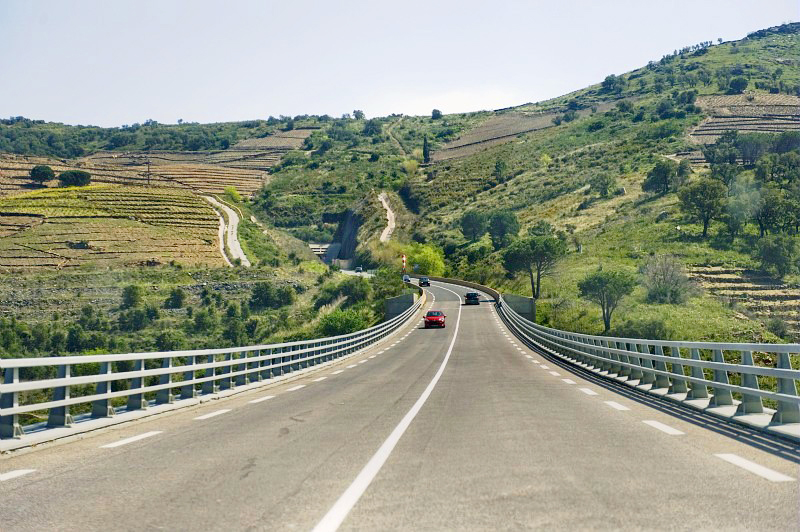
column 462, row 428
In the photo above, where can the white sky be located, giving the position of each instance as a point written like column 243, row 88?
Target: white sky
column 114, row 62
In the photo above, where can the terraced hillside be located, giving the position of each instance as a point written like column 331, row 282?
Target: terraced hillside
column 106, row 226
column 747, row 113
column 761, row 295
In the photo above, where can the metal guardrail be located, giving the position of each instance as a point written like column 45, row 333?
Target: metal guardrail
column 678, row 370
column 181, row 373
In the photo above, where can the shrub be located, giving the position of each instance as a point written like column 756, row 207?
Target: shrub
column 665, row 280
column 233, row 194
column 75, row 178
column 777, row 254
column 176, row 298
column 344, row 322
column 778, row 327
column 132, row 296
column 652, row 329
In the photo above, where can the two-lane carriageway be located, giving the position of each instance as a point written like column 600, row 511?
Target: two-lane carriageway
column 461, row 428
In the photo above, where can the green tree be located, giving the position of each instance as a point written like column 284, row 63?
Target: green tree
column 75, row 178
column 536, row 255
column 737, row 85
column 503, row 227
column 704, row 200
column 436, row 114
column 662, row 177
column 263, row 295
column 426, row 150
column 41, row 173
column 372, row 127
column 606, row 288
column 176, row 298
column 343, row 322
column 358, row 114
column 474, row 224
column 500, row 169
column 132, row 296
column 777, row 254
column 428, row 257
column 603, row 184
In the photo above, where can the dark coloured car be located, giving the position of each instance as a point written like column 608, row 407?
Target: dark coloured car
column 424, row 281
column 406, row 278
column 472, row 298
column 434, row 318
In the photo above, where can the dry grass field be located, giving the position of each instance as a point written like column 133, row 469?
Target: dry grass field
column 106, row 226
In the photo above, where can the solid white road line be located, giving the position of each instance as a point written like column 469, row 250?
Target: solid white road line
column 616, row 406
column 587, row 391
column 15, row 474
column 319, row 379
column 337, row 372
column 261, row 399
column 213, row 414
column 295, row 388
column 568, row 381
column 662, row 427
column 555, row 374
column 753, row 467
column 130, row 440
column 338, row 512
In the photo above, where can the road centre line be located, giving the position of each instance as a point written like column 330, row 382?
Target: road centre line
column 338, row 512
column 362, row 361
column 213, row 414
column 763, row 472
column 126, row 441
column 351, row 366
column 662, row 427
column 568, row 381
column 373, row 356
column 15, row 474
column 616, row 406
column 544, row 367
column 319, row 379
column 261, row 399
column 555, row 374
column 587, row 391
column 337, row 372
column 295, row 388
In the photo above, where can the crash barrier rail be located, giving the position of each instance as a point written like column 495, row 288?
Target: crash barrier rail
column 185, row 373
column 735, row 374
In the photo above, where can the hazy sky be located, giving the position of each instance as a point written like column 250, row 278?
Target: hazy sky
column 118, row 62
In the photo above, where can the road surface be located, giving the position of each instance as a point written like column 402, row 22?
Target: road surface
column 456, row 429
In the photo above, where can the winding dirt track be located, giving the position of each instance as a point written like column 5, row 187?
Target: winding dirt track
column 386, row 235
column 231, row 231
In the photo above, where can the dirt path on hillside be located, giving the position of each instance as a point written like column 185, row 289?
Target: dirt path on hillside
column 230, row 231
column 387, row 232
column 394, row 140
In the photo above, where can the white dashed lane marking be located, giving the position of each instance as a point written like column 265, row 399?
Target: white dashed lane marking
column 351, row 366
column 337, row 372
column 616, row 406
column 295, row 388
column 261, row 399
column 555, row 374
column 763, row 472
column 587, row 391
column 662, row 427
column 568, row 381
column 373, row 356
column 319, row 379
column 15, row 474
column 126, row 441
column 544, row 367
column 212, row 414
column 362, row 361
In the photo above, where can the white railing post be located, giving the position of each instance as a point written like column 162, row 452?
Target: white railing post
column 721, row 397
column 678, row 384
column 662, row 381
column 187, row 390
column 59, row 416
column 787, row 412
column 164, row 396
column 102, row 407
column 9, row 425
column 136, row 401
column 751, row 404
column 697, row 390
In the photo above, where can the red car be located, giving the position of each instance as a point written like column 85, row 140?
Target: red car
column 434, row 318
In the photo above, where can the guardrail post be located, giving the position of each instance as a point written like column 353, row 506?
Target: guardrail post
column 751, row 404
column 614, row 366
column 266, row 373
column 187, row 390
column 9, row 425
column 59, row 416
column 101, row 407
column 210, row 386
column 678, row 384
column 225, row 383
column 625, row 371
column 721, row 396
column 241, row 380
column 164, row 396
column 255, row 374
column 636, row 373
column 787, row 412
column 662, row 381
column 697, row 390
column 648, row 377
column 137, row 401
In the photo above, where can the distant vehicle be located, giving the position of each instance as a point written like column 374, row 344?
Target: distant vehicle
column 359, row 269
column 406, row 278
column 472, row 298
column 424, row 281
column 434, row 318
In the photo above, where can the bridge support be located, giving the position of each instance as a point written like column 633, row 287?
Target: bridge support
column 9, row 425
column 59, row 416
